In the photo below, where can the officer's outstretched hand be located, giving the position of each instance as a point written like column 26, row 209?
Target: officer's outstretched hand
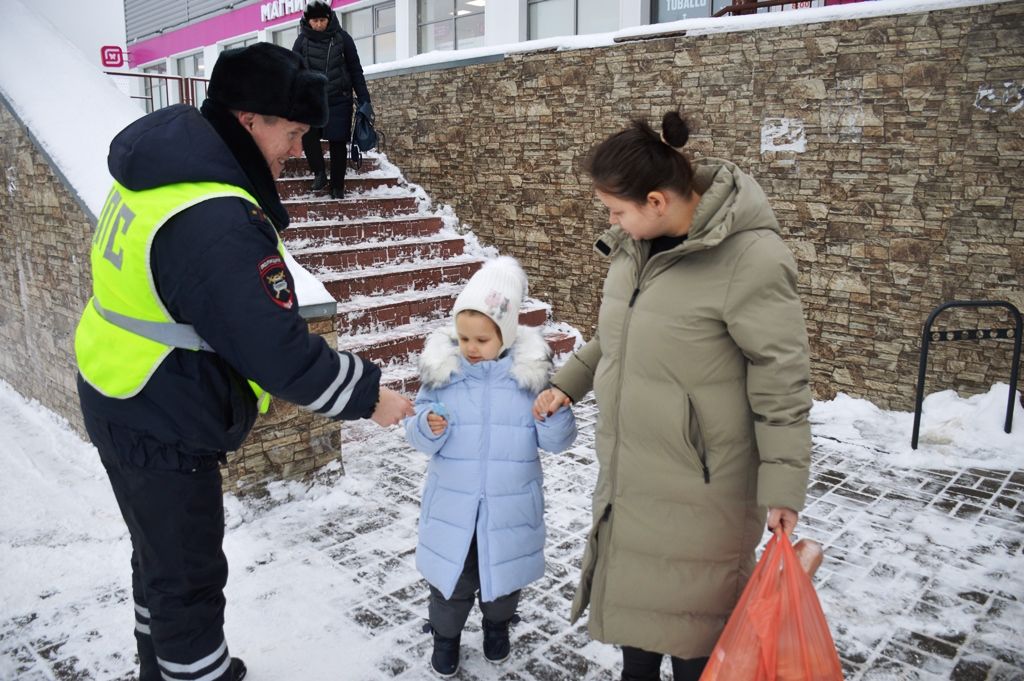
column 391, row 408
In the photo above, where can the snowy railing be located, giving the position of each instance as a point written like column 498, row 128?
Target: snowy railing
column 158, row 91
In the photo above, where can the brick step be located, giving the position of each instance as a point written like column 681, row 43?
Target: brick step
column 404, row 376
column 374, row 254
column 386, row 280
column 298, row 166
column 327, row 209
column 363, row 314
column 311, row 234
column 292, row 187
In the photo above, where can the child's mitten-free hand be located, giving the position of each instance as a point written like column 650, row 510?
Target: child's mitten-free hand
column 437, row 418
column 548, row 402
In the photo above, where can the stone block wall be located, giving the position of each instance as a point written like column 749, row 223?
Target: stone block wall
column 44, row 273
column 891, row 148
column 286, row 443
column 45, row 277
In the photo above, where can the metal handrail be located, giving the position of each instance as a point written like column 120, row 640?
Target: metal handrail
column 969, row 334
column 186, row 85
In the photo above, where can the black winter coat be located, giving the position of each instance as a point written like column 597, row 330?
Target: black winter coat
column 333, row 52
column 206, row 263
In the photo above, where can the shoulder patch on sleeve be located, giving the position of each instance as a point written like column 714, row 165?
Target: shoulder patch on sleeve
column 274, row 276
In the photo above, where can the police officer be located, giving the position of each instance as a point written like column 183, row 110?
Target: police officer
column 192, row 325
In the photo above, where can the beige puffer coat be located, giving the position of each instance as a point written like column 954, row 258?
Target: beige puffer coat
column 700, row 369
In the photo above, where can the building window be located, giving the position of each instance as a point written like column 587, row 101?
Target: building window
column 285, row 37
column 155, row 89
column 373, row 30
column 550, row 18
column 674, row 10
column 191, row 66
column 450, row 24
column 244, row 42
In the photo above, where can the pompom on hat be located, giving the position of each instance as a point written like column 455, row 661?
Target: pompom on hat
column 271, row 80
column 497, row 290
column 317, row 10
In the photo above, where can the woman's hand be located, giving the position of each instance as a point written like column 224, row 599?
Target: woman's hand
column 548, row 402
column 784, row 519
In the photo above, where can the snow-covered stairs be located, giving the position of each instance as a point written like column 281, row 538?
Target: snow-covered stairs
column 392, row 262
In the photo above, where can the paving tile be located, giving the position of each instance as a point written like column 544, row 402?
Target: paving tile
column 945, row 607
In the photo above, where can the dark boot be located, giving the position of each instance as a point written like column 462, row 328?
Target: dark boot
column 496, row 643
column 445, row 658
column 319, row 181
column 339, row 166
column 237, row 670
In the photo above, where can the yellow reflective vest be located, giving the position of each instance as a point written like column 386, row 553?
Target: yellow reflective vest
column 125, row 331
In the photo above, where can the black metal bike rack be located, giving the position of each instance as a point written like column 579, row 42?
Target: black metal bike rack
column 930, row 336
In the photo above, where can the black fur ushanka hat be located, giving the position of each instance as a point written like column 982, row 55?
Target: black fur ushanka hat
column 268, row 79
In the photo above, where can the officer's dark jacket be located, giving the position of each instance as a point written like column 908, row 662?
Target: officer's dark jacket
column 206, row 264
column 333, row 52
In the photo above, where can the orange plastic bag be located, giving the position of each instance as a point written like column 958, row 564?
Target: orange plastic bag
column 777, row 631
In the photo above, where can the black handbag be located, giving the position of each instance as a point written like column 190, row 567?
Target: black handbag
column 364, row 135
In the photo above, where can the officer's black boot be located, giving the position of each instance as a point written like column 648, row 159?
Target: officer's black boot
column 319, row 181
column 237, row 670
column 496, row 643
column 445, row 658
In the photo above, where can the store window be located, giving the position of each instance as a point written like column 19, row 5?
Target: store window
column 155, row 89
column 191, row 66
column 549, row 18
column 674, row 10
column 450, row 24
column 373, row 30
column 285, row 37
column 244, row 42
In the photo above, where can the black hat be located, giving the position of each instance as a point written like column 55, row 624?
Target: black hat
column 268, row 79
column 317, row 10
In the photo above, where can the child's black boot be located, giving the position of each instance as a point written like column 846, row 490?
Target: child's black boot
column 445, row 658
column 496, row 644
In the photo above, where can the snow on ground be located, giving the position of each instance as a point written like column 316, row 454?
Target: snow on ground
column 322, row 583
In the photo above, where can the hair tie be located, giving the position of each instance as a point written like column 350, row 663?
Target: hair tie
column 669, row 144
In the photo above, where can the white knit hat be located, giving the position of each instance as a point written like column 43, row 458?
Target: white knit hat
column 497, row 290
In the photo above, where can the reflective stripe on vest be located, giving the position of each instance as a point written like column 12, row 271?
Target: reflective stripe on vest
column 125, row 331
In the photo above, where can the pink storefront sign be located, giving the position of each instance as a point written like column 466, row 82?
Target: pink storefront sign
column 238, row 22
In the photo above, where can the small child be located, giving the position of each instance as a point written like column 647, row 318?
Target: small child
column 482, row 515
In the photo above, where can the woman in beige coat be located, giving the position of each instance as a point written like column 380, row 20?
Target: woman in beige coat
column 700, row 370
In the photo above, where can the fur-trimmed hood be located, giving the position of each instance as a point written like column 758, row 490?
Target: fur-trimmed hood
column 528, row 360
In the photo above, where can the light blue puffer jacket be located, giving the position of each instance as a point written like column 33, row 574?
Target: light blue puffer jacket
column 484, row 473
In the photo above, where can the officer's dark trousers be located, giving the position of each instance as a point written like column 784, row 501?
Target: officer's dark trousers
column 174, row 509
column 448, row 615
column 315, row 157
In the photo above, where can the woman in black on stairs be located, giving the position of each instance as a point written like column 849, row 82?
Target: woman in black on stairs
column 327, row 48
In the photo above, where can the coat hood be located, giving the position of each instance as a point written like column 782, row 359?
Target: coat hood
column 731, row 202
column 528, row 361
column 171, row 145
